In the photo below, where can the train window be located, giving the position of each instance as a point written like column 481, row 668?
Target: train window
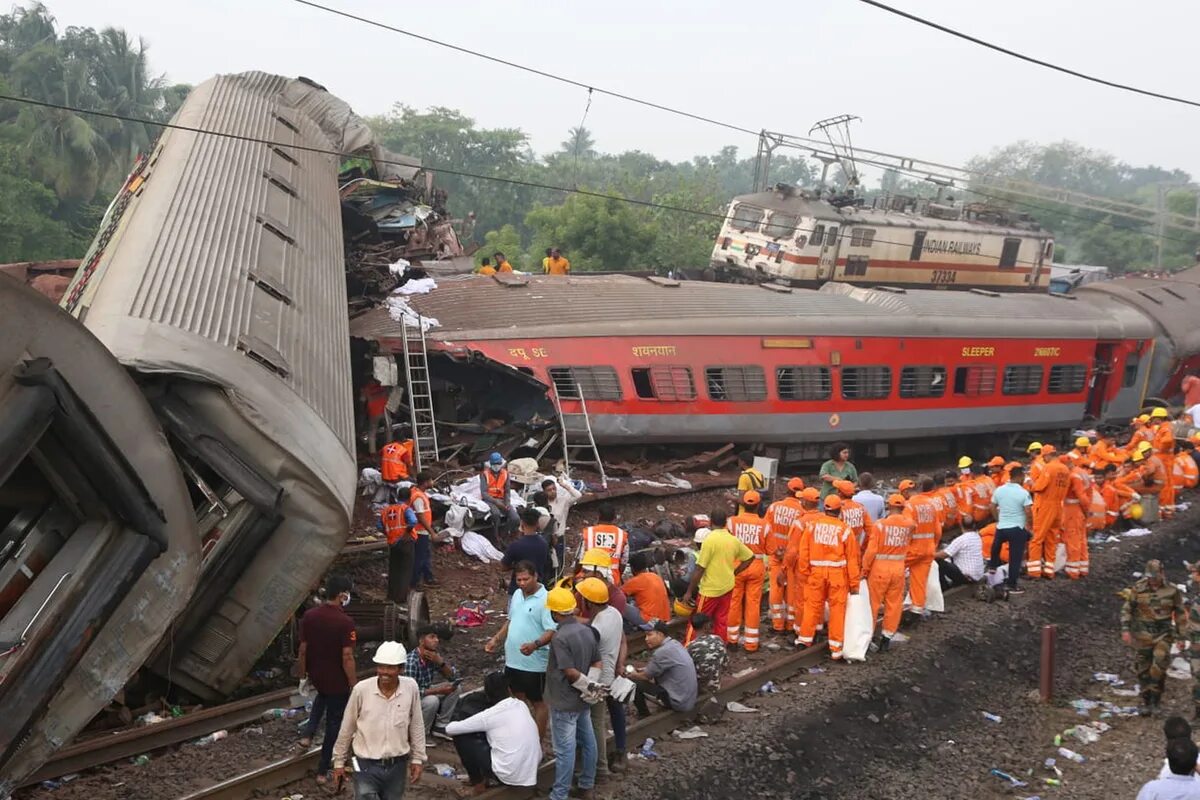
column 856, row 265
column 975, row 381
column 866, row 383
column 1067, row 378
column 746, row 218
column 1008, row 255
column 1023, row 379
column 862, row 237
column 803, row 383
column 1129, row 378
column 592, row 383
column 736, row 384
column 923, row 381
column 781, row 225
column 818, row 236
column 668, row 383
column 831, row 237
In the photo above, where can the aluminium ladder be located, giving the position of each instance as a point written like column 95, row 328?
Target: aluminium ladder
column 579, row 444
column 420, row 394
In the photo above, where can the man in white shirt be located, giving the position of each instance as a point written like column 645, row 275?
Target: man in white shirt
column 561, row 495
column 511, row 749
column 1181, row 784
column 868, row 498
column 961, row 561
column 1175, row 727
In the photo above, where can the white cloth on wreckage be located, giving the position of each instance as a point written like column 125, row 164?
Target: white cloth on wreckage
column 859, row 625
column 473, row 544
column 933, row 591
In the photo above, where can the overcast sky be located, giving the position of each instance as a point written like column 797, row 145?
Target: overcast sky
column 776, row 65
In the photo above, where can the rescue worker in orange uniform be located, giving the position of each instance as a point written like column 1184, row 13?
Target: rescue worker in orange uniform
column 745, row 607
column 396, row 461
column 829, row 554
column 1185, row 473
column 883, row 564
column 964, row 489
column 925, row 539
column 998, row 475
column 1163, row 442
column 796, row 574
column 1048, row 494
column 1036, row 464
column 1079, row 453
column 987, row 535
column 398, row 522
column 1141, row 433
column 949, row 497
column 984, row 485
column 1132, row 482
column 1074, row 520
column 853, row 514
column 779, row 518
column 609, row 536
column 1156, row 479
column 1008, row 468
column 1104, row 451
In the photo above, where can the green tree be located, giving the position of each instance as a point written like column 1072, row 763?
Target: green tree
column 595, row 233
column 507, row 240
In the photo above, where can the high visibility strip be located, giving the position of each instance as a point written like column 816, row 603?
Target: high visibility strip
column 922, row 536
column 832, row 643
column 889, row 557
column 828, row 563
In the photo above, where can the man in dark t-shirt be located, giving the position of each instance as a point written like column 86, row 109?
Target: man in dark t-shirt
column 327, row 641
column 530, row 546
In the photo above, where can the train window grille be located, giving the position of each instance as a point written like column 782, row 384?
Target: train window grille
column 747, row 218
column 736, row 384
column 667, row 383
column 803, row 383
column 818, row 236
column 1067, row 378
column 862, row 237
column 831, row 236
column 975, row 381
column 1023, row 379
column 1008, row 255
column 1129, row 378
column 856, row 266
column 781, row 226
column 594, row 383
column 927, row 381
column 866, row 383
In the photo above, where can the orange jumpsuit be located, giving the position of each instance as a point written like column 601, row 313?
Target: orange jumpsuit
column 1048, row 494
column 1164, row 446
column 855, row 515
column 1036, row 465
column 921, row 510
column 1184, row 473
column 950, row 506
column 830, row 556
column 1097, row 510
column 1103, row 452
column 981, row 502
column 883, row 564
column 988, row 535
column 745, row 607
column 1157, row 478
column 966, row 498
column 1074, row 522
column 1141, row 433
column 797, row 574
column 1111, row 492
column 779, row 518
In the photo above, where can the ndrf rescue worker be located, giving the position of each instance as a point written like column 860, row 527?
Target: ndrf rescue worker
column 398, row 522
column 1074, row 521
column 779, row 518
column 1049, row 491
column 1036, row 464
column 1156, row 480
column 830, row 555
column 607, row 535
column 883, row 564
column 949, row 497
column 1151, row 618
column 396, row 461
column 853, row 514
column 1078, row 454
column 794, row 572
column 925, row 539
column 1184, row 473
column 745, row 607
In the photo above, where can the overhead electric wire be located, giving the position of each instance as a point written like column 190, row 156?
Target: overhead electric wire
column 1030, row 59
column 532, row 70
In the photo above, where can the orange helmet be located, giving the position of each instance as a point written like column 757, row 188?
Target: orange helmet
column 906, row 484
column 833, row 503
column 751, row 498
column 1049, row 450
column 845, row 487
column 811, row 494
column 997, row 461
column 896, row 500
column 795, row 484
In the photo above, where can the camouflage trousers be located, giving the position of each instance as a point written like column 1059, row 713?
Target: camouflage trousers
column 1151, row 658
column 1193, row 655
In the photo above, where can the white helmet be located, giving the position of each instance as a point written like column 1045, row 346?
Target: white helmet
column 392, row 653
column 701, row 534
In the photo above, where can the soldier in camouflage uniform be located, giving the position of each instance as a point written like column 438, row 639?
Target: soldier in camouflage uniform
column 1193, row 638
column 1153, row 613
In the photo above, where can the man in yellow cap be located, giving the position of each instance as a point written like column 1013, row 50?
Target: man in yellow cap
column 779, row 518
column 572, row 674
column 1036, row 464
column 1079, row 453
column 1156, row 481
column 722, row 557
column 610, row 630
column 1163, row 440
column 745, row 606
column 1141, row 432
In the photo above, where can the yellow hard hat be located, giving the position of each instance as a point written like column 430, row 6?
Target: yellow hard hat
column 597, row 557
column 1033, row 446
column 1138, row 455
column 1135, row 511
column 593, row 590
column 965, row 462
column 1144, row 446
column 683, row 609
column 1159, row 413
column 560, row 601
column 1083, row 441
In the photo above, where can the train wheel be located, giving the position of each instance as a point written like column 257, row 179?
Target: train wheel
column 418, row 615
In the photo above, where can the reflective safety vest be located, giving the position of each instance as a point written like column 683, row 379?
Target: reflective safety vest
column 780, row 516
column 1097, row 511
column 394, row 460
column 423, row 509
column 608, row 537
column 923, row 512
column 497, row 483
column 394, row 526
column 750, row 530
column 855, row 515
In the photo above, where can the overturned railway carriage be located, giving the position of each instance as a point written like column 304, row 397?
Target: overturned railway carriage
column 788, row 236
column 657, row 360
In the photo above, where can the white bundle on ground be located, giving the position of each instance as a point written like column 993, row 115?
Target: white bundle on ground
column 399, row 267
column 473, row 544
column 860, row 626
column 418, row 286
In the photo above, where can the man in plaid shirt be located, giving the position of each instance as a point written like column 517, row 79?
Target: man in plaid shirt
column 437, row 681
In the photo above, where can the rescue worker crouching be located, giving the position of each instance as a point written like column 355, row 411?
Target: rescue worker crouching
column 829, row 554
column 494, row 489
column 1151, row 618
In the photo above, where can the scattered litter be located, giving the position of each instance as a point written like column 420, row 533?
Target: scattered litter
column 215, row 736
column 419, row 286
column 773, row 646
column 400, row 311
column 1071, row 754
column 296, row 796
column 140, row 761
column 990, row 717
column 647, row 751
column 256, row 730
column 1180, row 669
column 471, row 614
column 51, row 785
column 768, row 688
column 281, row 713
column 743, row 672
column 1084, row 707
column 1125, row 692
column 1134, row 533
column 1053, row 765
column 1085, row 734
column 738, row 708
column 273, row 672
column 150, row 718
column 444, row 770
column 1009, row 778
column 694, row 732
column 816, row 670
column 873, row 718
column 660, row 508
column 1108, row 677
column 899, row 638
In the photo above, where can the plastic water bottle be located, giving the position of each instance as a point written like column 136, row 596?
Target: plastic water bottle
column 991, row 717
column 1071, row 754
column 215, row 736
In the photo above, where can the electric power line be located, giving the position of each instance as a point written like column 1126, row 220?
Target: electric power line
column 1030, row 59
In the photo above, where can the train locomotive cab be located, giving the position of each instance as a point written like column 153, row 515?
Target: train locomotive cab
column 98, row 548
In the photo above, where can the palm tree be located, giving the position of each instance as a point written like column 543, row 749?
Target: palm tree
column 123, row 86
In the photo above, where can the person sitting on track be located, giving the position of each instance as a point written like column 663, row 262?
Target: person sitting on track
column 669, row 676
column 500, row 740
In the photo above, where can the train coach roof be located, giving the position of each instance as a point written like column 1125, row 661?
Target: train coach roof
column 479, row 308
column 1170, row 303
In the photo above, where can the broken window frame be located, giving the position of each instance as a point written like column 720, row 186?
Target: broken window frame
column 667, row 383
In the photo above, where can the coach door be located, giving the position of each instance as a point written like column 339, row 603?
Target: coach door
column 827, row 262
column 1103, row 369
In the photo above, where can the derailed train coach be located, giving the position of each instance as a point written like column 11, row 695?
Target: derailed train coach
column 212, row 370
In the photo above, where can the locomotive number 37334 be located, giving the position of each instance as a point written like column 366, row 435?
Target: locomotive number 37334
column 944, row 276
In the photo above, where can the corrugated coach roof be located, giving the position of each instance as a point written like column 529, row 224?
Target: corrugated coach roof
column 1173, row 304
column 478, row 308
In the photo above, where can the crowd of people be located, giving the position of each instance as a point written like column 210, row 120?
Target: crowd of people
column 553, row 264
column 568, row 673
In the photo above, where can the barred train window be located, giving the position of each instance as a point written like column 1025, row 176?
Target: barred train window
column 866, row 383
column 746, row 218
column 667, row 383
column 803, row 383
column 736, row 384
column 862, row 237
column 781, row 225
column 594, row 383
column 1067, row 378
column 975, row 381
column 923, row 381
column 856, row 266
column 1023, row 379
column 818, row 236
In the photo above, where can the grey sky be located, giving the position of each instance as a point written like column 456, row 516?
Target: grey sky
column 775, row 65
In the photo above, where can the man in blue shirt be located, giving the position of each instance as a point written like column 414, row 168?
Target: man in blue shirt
column 526, row 636
column 1012, row 507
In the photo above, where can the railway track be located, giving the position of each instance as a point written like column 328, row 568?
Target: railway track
column 276, row 775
